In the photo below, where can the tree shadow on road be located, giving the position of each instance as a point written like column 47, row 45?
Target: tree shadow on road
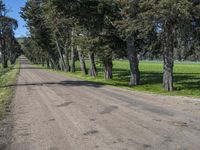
column 63, row 83
column 31, row 68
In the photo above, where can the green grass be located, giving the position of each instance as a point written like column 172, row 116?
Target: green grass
column 7, row 76
column 186, row 77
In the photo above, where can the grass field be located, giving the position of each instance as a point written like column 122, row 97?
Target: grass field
column 186, row 77
column 7, row 76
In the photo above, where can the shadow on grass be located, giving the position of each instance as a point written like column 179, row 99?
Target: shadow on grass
column 187, row 81
column 195, row 85
column 5, row 70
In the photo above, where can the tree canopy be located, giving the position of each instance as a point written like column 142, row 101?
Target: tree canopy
column 62, row 32
column 9, row 47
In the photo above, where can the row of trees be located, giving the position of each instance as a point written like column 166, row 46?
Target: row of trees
column 60, row 30
column 9, row 47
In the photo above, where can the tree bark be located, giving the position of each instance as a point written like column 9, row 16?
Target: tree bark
column 4, row 61
column 52, row 64
column 62, row 61
column 73, row 60
column 168, row 62
column 93, row 69
column 13, row 59
column 4, row 54
column 48, row 65
column 43, row 61
column 108, row 65
column 134, row 62
column 67, row 60
column 82, row 63
column 61, row 66
column 56, row 65
column 73, row 57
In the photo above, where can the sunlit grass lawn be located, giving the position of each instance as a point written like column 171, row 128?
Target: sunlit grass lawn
column 7, row 76
column 186, row 77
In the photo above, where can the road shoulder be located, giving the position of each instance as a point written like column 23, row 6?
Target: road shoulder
column 6, row 95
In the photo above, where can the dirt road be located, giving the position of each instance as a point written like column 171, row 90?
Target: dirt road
column 53, row 112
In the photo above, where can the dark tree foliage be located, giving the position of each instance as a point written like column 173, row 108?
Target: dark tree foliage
column 9, row 47
column 62, row 32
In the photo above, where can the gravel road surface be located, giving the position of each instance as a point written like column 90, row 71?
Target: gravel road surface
column 50, row 111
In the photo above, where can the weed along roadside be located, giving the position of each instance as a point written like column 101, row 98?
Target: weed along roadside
column 8, row 77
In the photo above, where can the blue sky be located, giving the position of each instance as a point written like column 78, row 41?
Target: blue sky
column 14, row 8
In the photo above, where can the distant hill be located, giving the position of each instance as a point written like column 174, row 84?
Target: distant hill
column 21, row 40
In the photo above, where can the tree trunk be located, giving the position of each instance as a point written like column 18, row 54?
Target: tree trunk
column 62, row 61
column 4, row 54
column 4, row 61
column 13, row 59
column 43, row 63
column 82, row 63
column 61, row 65
column 134, row 62
column 67, row 60
column 48, row 65
column 168, row 63
column 33, row 60
column 108, row 68
column 93, row 69
column 73, row 60
column 73, row 57
column 52, row 64
column 57, row 65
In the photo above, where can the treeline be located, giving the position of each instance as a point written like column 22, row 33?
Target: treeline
column 100, row 30
column 9, row 47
